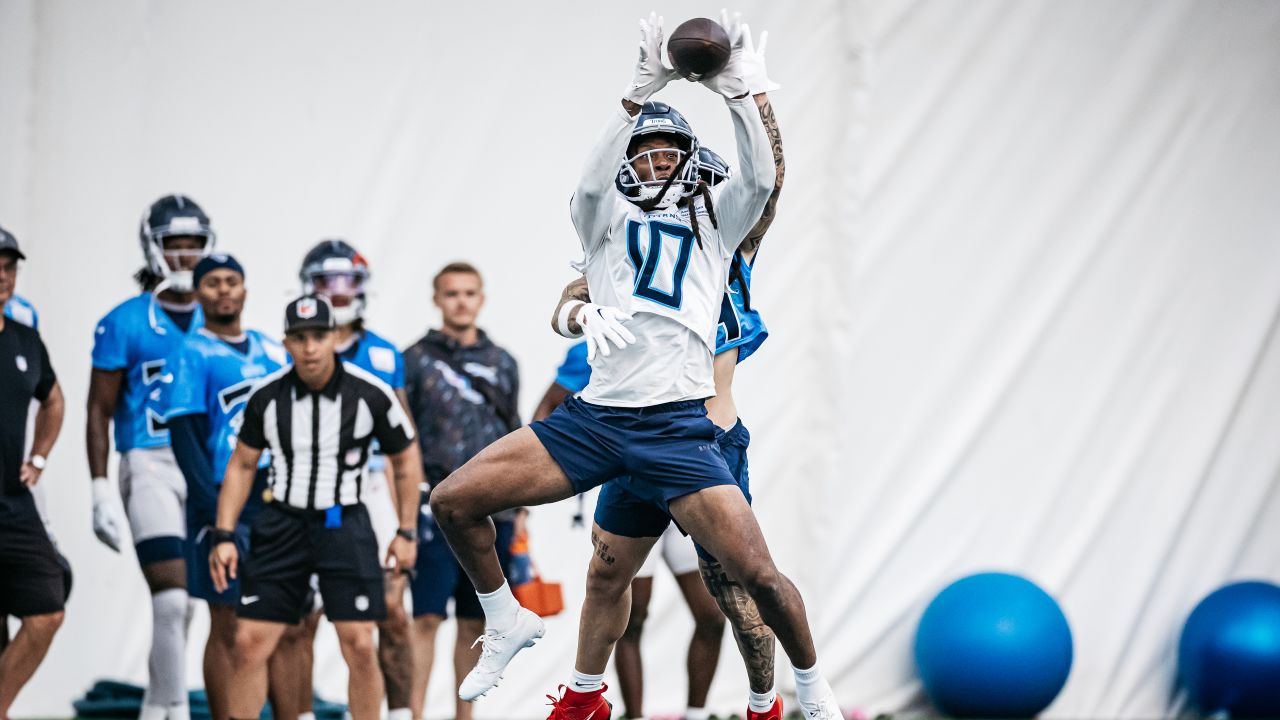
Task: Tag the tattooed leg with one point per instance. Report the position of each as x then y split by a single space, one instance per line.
754 638
607 606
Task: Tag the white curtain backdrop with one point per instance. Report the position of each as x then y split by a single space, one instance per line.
1024 286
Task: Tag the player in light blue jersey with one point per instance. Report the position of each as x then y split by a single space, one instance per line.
336 270
20 309
212 373
130 347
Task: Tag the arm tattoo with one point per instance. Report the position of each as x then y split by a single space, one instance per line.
602 549
756 235
755 639
575 291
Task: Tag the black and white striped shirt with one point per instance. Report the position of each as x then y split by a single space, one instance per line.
319 439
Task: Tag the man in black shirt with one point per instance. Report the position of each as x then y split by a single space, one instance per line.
318 418
462 392
32 587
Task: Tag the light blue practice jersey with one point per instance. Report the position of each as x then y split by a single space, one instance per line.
21 310
138 337
211 377
739 327
375 354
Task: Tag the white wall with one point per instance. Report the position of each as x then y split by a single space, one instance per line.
1023 289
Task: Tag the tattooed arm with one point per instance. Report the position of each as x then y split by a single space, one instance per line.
755 235
575 293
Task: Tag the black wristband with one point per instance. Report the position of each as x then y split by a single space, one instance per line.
219 536
407 533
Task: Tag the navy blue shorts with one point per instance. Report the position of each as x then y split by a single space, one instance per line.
622 512
200 581
438 576
200 517
664 451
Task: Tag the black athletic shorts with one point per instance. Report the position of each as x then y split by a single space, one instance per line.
32 578
287 545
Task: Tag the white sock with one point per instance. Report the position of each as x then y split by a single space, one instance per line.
697 714
307 715
151 711
398 714
500 608
166 664
811 686
584 683
762 702
180 711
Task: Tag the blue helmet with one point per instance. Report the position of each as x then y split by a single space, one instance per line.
711 167
660 119
174 216
336 270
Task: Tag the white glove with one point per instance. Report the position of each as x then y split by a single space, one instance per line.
730 82
651 73
753 70
108 516
602 324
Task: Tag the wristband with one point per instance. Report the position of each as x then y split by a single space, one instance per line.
567 310
37 462
218 536
407 533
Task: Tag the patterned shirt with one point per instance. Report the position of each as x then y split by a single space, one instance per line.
462 398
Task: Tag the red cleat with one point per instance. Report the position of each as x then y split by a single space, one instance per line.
773 713
574 705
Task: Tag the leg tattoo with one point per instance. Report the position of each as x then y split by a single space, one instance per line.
755 639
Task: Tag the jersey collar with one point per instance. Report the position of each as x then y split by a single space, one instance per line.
330 389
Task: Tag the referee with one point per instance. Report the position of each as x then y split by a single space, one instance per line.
318 419
32 585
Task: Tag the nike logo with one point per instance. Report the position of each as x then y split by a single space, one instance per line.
248 599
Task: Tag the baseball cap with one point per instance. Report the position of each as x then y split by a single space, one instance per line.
9 243
308 312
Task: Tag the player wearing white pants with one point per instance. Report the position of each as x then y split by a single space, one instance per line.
130 349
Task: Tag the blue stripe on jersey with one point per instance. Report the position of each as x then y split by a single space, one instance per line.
739 328
21 310
376 355
138 336
208 376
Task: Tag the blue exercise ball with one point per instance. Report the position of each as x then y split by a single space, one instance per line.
1229 652
993 645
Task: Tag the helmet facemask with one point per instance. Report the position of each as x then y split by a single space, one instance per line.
659 192
162 260
343 287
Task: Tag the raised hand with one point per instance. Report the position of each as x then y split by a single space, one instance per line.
651 73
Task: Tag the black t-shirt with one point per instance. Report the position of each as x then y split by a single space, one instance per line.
25 373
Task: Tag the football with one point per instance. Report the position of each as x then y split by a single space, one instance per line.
698 48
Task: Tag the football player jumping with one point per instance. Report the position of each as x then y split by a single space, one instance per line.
658 248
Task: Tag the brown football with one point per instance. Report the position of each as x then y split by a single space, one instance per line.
698 48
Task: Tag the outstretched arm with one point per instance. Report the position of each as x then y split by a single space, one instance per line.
745 196
592 204
756 234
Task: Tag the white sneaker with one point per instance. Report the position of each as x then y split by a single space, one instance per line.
824 709
497 650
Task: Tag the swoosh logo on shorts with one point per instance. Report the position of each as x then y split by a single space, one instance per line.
249 599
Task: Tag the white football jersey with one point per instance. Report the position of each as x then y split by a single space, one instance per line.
651 265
